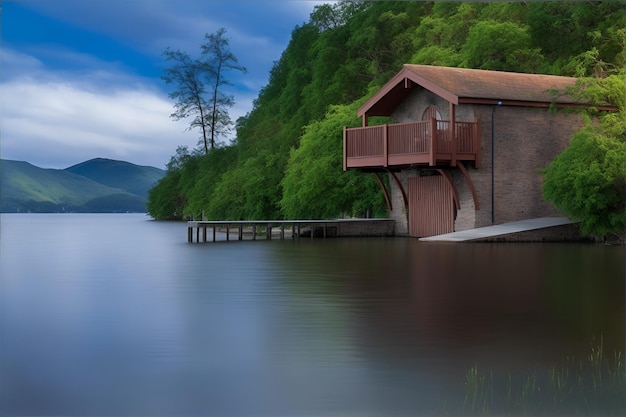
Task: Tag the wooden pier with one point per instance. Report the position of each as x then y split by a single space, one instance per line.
205 231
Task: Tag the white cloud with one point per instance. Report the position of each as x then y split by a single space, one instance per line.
61 106
14 63
55 122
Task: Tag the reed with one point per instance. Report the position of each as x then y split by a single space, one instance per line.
593 385
478 392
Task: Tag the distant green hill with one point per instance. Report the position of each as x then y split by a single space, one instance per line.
99 185
133 178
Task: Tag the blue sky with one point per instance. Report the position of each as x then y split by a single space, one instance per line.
81 79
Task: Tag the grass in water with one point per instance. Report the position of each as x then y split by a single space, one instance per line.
590 386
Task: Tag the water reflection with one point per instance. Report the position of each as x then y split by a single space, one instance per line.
138 322
440 309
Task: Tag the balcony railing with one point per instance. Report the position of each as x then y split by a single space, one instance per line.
427 142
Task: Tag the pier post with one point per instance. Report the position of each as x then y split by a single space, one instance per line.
189 234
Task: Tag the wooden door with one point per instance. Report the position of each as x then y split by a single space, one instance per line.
431 206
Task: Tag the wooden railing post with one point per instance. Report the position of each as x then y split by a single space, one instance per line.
345 156
453 141
452 133
477 143
386 144
433 142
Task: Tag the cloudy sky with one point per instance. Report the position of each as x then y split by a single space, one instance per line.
82 79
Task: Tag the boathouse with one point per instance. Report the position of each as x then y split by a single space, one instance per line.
465 147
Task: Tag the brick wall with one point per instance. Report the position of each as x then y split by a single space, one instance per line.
365 228
526 140
399 213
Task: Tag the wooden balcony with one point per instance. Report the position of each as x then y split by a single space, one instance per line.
419 143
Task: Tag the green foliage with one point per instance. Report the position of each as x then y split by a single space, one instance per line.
190 183
286 161
166 200
587 181
314 185
566 32
609 90
250 190
202 178
503 46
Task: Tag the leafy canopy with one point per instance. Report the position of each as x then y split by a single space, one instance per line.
314 186
587 181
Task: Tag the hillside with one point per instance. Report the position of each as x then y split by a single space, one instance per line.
133 178
27 188
286 161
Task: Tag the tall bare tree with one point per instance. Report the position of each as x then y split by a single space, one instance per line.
199 87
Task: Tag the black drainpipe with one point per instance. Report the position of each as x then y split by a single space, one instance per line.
493 110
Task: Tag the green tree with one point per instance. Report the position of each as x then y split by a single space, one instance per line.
315 186
166 200
169 198
199 87
566 30
201 183
503 46
587 181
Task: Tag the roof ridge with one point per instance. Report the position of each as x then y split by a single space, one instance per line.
477 70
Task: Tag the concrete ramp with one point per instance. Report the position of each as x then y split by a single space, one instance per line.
499 229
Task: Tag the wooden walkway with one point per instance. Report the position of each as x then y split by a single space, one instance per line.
205 231
499 229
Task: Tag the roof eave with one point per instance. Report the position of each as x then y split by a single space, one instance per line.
533 103
401 77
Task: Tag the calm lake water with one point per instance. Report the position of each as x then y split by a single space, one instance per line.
118 315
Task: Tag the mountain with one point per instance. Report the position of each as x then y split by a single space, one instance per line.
98 185
133 178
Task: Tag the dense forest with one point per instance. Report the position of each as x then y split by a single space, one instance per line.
286 159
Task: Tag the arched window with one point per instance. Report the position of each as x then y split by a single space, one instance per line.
432 112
